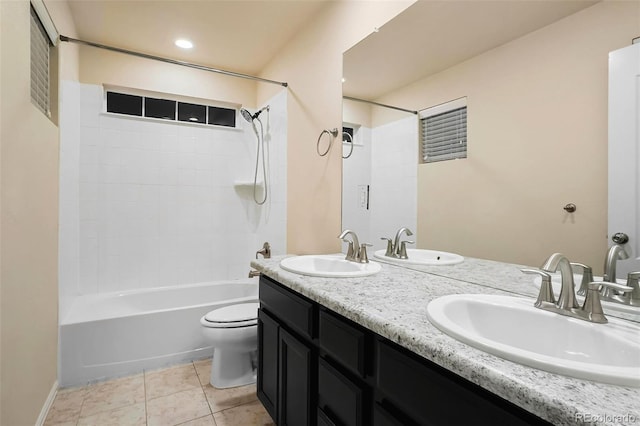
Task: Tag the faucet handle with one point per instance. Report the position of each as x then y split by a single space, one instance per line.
546 289
633 281
363 253
592 307
403 249
389 251
351 254
587 277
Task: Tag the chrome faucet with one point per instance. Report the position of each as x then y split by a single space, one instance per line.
397 248
356 252
567 299
591 310
616 251
396 243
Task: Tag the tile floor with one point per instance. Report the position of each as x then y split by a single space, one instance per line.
178 395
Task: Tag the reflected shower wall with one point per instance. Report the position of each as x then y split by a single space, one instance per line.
145 203
385 158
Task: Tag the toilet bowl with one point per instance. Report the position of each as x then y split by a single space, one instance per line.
233 333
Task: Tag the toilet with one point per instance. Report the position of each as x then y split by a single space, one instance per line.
233 333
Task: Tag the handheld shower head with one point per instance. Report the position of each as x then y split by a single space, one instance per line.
247 115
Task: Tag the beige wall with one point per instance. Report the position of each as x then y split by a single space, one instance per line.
537 140
99 66
29 224
356 113
312 65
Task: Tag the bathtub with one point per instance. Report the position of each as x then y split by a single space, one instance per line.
114 334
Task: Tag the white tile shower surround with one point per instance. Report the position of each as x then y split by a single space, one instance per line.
147 203
394 178
392 174
356 173
178 395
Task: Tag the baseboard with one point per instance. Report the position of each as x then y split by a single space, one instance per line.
47 404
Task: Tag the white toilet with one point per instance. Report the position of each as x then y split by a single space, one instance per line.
233 333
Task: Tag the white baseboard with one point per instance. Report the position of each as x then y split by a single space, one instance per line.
47 405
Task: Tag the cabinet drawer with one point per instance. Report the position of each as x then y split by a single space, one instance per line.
430 395
343 342
291 309
382 417
339 399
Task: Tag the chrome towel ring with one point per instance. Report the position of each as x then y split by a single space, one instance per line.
349 141
332 133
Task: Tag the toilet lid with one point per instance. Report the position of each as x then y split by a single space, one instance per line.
240 315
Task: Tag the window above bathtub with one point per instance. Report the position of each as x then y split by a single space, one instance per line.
166 107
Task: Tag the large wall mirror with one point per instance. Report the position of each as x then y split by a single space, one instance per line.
534 77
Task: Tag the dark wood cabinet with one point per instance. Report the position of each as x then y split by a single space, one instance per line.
268 362
295 391
317 368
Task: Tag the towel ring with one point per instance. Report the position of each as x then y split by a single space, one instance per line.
349 141
333 132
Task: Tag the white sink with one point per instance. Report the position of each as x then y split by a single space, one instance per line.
329 266
422 257
512 328
608 307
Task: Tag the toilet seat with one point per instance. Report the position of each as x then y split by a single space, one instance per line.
233 316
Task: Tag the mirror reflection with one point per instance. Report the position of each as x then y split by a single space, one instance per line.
536 96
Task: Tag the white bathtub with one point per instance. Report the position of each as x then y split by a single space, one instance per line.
115 334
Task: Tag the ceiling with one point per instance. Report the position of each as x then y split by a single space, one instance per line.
244 35
431 36
235 35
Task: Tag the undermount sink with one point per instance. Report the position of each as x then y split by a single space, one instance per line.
512 328
422 257
329 266
607 306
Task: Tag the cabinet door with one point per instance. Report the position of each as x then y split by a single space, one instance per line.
295 382
268 345
338 397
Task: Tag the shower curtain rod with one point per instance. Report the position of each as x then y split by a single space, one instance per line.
349 98
170 61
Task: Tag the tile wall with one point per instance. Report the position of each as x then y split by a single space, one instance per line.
387 160
147 203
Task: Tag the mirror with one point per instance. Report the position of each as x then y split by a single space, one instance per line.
537 121
537 128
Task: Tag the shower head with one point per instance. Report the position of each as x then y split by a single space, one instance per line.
247 115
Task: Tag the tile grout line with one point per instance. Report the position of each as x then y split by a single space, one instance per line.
203 392
144 387
84 398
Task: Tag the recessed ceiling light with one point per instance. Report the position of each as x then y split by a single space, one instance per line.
184 44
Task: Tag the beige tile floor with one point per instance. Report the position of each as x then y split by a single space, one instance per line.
178 395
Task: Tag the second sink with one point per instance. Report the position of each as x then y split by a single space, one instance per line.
329 266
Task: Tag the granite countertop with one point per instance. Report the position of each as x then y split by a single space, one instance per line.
393 303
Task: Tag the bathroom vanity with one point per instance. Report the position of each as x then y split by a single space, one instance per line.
361 351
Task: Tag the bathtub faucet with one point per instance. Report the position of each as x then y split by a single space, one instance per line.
265 251
254 273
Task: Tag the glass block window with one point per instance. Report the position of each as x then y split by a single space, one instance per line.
443 132
40 46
